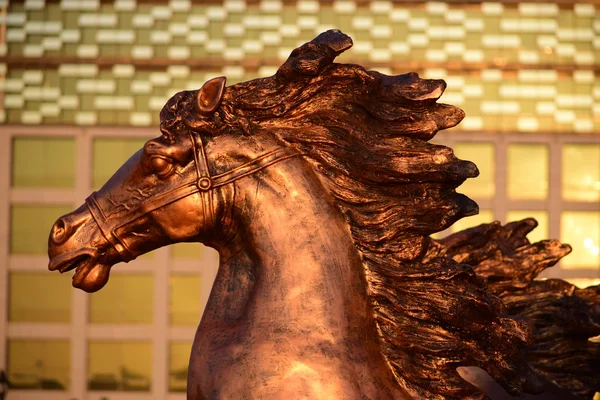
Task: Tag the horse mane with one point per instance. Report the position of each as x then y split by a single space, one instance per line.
566 318
366 134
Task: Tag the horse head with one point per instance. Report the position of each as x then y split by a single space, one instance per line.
163 194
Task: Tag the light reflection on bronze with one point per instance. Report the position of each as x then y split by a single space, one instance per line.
319 190
565 316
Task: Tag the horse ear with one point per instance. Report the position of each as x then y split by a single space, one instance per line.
209 96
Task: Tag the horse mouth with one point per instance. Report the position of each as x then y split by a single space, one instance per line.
89 275
77 263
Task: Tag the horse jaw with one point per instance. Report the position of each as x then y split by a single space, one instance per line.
90 274
91 277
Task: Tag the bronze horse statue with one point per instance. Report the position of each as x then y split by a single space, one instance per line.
320 191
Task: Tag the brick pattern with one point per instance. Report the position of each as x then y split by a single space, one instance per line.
528 33
526 101
83 94
486 38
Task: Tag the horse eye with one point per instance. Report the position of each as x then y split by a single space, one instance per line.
161 165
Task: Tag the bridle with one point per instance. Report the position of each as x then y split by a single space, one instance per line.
202 183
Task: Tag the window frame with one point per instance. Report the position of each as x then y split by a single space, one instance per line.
79 331
554 205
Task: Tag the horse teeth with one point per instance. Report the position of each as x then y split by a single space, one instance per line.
72 264
67 267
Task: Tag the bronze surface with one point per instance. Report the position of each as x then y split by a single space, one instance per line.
319 189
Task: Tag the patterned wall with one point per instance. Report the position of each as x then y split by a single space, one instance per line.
530 67
518 67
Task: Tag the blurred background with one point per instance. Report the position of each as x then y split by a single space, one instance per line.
81 85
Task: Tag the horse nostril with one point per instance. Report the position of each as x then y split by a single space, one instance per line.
59 231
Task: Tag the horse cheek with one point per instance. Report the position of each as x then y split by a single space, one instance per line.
182 220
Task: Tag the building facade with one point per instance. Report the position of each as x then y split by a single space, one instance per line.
81 85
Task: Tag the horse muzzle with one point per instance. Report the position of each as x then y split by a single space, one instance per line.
75 243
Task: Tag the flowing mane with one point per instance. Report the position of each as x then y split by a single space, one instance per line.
432 313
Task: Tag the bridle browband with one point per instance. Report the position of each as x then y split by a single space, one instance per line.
203 183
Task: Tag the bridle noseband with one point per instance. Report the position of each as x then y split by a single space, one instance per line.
202 183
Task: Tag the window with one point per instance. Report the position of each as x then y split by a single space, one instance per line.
484 217
539 233
109 340
551 178
185 299
527 167
39 297
62 339
126 299
39 364
179 358
43 162
483 155
581 229
581 172
30 227
109 154
187 250
120 366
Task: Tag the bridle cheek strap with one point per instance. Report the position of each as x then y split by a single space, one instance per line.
109 233
202 184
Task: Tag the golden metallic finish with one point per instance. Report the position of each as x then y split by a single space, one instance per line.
319 189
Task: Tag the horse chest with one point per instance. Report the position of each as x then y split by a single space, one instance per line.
235 364
256 376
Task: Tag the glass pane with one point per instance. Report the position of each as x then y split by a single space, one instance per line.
539 233
527 171
109 155
581 172
178 365
187 250
30 226
185 299
126 299
582 283
484 217
43 162
440 235
39 297
482 154
581 230
123 366
39 364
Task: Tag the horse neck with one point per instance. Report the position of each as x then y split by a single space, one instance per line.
293 265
